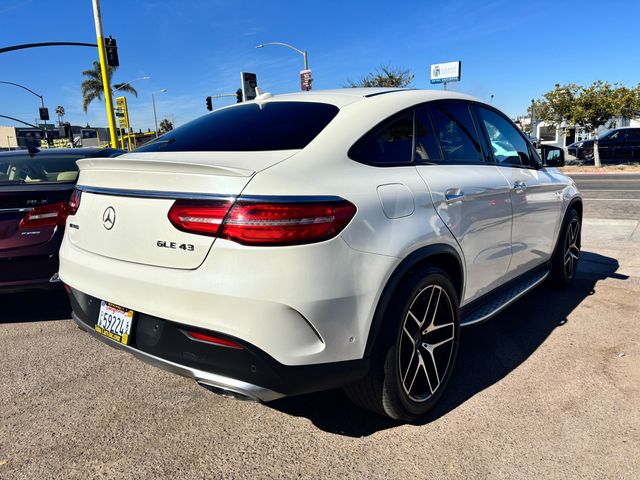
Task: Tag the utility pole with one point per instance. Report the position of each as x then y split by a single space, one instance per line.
533 133
105 76
153 101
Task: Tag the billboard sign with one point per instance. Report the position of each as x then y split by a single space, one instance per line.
446 72
249 84
122 113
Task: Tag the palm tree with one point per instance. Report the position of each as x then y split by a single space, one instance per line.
92 86
165 126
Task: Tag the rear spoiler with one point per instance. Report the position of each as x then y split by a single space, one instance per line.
165 166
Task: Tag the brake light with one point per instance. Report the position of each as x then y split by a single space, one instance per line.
74 201
263 222
46 216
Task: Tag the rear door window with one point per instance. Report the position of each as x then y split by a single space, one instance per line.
427 150
633 136
249 127
456 133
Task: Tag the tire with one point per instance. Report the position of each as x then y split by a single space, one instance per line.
567 255
411 365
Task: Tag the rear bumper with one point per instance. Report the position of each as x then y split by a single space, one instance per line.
248 373
304 305
28 272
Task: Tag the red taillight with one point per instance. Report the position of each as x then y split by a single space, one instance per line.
74 202
203 217
203 337
46 216
262 222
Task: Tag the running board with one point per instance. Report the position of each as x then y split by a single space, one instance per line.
496 304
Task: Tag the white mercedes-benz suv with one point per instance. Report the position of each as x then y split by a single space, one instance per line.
315 240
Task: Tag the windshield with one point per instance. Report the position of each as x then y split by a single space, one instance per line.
249 127
21 169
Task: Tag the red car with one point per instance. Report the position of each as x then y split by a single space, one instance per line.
35 188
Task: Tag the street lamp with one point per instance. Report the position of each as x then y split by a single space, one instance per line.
131 81
301 52
153 100
46 134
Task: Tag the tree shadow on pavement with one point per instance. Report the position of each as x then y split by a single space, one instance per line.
488 352
34 306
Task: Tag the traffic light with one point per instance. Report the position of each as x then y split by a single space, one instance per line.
111 49
209 104
239 95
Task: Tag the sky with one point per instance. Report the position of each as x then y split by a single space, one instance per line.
510 49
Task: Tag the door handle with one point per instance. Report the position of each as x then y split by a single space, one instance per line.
454 195
519 186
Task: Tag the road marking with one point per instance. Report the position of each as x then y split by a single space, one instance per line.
598 190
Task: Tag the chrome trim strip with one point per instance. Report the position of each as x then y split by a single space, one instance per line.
207 196
505 305
15 210
153 194
290 198
253 392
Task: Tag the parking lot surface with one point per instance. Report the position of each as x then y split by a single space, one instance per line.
549 388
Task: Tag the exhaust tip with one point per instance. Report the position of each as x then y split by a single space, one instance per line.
228 393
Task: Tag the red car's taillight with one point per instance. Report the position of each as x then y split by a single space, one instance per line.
74 202
261 222
46 216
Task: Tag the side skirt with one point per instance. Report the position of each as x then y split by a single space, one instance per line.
494 302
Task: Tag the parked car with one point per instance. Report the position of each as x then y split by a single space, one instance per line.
35 186
321 239
534 140
621 143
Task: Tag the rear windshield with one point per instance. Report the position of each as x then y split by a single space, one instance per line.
249 127
52 169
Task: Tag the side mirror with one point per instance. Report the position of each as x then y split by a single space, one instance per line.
552 156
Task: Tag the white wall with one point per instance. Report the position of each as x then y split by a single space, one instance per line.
8 137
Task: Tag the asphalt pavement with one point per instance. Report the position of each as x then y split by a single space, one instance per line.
549 388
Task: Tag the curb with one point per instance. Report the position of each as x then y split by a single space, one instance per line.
599 173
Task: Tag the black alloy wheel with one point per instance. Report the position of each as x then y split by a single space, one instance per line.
567 255
416 349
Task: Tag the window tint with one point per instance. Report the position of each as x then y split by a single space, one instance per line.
388 144
507 145
249 127
426 144
617 136
456 133
633 135
21 169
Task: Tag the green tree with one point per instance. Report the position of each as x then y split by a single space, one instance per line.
165 126
590 107
92 85
385 76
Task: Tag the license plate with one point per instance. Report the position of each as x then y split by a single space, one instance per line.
114 322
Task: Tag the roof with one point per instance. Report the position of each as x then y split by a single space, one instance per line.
345 96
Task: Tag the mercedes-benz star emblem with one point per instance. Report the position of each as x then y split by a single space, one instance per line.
109 218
